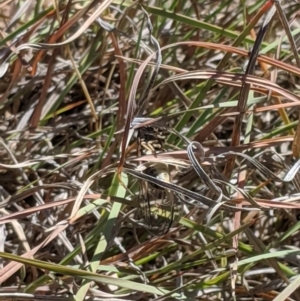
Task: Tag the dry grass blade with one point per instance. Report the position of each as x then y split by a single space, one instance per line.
199 170
224 48
286 178
287 30
133 108
234 79
197 199
245 88
143 100
12 267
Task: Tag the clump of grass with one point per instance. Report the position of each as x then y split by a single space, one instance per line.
76 75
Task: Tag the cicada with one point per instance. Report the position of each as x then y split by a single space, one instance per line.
156 203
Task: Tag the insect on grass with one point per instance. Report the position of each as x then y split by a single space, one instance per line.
156 203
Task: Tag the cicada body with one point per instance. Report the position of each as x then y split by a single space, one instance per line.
156 203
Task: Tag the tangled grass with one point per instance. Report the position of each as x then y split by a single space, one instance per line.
77 80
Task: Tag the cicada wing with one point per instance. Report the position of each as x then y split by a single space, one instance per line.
157 210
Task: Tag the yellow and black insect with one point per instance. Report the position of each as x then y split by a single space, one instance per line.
156 203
